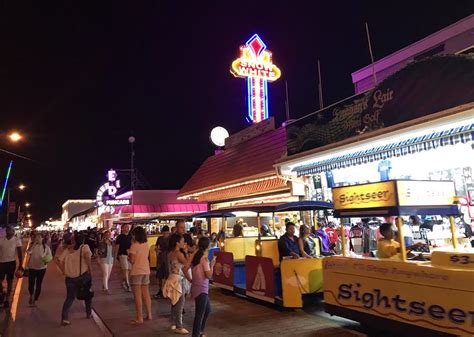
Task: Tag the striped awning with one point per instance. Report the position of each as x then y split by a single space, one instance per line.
462 134
246 190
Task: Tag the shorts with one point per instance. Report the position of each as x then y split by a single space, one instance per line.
139 280
124 263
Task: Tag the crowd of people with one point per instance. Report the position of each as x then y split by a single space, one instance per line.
183 268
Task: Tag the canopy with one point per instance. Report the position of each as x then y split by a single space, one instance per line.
305 205
214 214
397 211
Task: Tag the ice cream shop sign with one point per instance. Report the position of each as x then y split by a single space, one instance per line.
105 198
255 64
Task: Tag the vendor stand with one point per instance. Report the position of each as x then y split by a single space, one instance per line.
425 297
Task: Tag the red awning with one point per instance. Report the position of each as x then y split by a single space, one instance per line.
163 208
252 189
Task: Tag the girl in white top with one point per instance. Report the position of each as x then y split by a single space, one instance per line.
39 255
106 260
75 263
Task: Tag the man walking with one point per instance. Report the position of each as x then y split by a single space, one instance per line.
122 245
10 248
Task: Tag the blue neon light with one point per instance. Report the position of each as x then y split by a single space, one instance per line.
249 97
265 95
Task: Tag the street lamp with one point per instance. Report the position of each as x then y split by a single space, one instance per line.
15 137
28 216
21 187
27 205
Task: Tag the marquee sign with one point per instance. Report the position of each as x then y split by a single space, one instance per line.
105 198
255 64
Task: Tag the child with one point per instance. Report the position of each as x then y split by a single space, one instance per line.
202 272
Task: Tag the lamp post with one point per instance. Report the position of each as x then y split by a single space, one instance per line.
131 140
21 187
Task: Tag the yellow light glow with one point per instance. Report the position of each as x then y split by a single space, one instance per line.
78 201
15 137
22 187
27 204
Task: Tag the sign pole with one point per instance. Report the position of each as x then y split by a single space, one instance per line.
403 250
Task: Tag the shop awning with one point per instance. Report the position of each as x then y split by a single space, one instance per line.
214 214
163 208
249 161
251 189
462 134
305 205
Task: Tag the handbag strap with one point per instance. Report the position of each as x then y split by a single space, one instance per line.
80 261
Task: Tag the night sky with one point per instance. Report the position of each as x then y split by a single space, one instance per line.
78 78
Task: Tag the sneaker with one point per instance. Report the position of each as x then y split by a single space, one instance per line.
129 289
181 331
124 285
65 322
173 327
31 302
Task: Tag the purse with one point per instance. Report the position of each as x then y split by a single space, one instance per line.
84 291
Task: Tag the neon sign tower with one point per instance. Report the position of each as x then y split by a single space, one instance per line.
255 64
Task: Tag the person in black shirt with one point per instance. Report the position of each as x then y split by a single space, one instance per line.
122 245
162 267
188 238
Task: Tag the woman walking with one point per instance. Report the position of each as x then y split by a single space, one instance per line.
75 263
174 287
106 260
39 256
202 272
140 274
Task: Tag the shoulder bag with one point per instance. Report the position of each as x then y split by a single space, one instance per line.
83 285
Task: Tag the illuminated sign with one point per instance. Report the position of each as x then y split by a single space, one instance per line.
255 64
425 193
394 193
381 194
117 202
436 298
105 197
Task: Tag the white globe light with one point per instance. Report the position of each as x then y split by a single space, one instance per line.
131 139
218 135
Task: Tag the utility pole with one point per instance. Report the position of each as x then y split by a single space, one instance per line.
320 87
374 75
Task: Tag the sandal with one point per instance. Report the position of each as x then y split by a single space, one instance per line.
136 322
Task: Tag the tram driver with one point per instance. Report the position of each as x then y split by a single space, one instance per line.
387 247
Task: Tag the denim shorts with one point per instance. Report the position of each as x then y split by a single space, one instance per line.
139 280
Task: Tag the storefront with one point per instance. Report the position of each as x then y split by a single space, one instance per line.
416 124
147 207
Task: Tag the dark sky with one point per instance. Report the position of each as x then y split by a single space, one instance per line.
78 77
